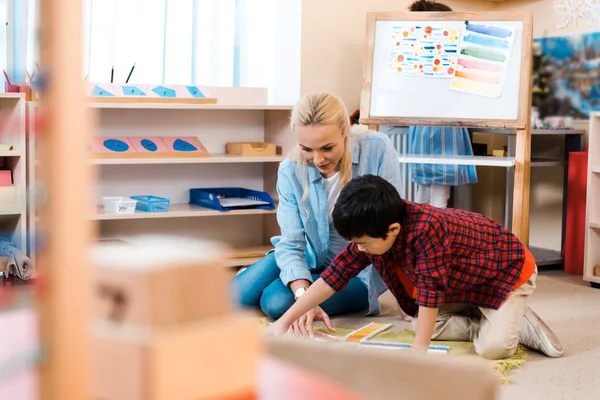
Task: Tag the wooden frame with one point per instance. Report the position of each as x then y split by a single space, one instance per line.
521 195
591 268
65 298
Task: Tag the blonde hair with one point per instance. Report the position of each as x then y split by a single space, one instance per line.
322 109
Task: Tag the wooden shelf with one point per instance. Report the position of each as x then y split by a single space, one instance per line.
182 106
488 161
247 255
10 211
11 153
176 211
596 170
594 225
546 162
213 159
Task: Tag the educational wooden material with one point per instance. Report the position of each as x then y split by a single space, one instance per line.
367 332
379 374
251 149
591 266
160 295
469 69
211 359
146 147
136 93
400 346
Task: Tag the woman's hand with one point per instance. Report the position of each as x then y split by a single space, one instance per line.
278 328
303 326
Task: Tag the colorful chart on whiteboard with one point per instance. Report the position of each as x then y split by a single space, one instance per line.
423 50
483 59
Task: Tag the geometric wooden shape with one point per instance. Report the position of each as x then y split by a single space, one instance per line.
190 146
148 144
111 145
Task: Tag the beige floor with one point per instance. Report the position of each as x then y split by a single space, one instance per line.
572 309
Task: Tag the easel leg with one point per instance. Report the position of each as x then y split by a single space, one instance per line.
521 193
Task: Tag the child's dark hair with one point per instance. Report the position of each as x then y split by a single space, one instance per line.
428 5
367 206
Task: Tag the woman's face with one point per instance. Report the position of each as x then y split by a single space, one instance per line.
322 146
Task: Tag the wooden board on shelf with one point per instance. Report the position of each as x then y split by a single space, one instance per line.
149 100
177 211
158 147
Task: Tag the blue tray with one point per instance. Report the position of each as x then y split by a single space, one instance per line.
209 198
151 203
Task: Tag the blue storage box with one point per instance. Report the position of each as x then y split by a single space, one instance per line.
151 203
212 198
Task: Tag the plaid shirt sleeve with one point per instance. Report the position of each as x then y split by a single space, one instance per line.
344 267
430 269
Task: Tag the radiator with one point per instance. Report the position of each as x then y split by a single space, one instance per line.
399 138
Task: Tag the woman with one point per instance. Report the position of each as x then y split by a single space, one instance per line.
434 181
328 155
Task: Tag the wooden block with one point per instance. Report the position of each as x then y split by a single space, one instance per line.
499 153
597 270
157 297
136 285
204 360
6 178
250 149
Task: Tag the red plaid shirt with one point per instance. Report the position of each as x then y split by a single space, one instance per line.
442 256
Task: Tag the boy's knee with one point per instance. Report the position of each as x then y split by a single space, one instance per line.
496 349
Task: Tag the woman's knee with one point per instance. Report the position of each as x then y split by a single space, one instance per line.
276 300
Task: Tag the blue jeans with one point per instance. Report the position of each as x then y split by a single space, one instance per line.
260 286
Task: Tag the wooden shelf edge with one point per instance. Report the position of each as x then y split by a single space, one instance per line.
213 159
591 278
489 161
177 211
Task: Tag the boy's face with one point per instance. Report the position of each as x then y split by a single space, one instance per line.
378 246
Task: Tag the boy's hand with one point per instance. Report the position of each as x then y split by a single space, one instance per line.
303 326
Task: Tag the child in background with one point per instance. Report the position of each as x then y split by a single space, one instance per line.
434 181
464 275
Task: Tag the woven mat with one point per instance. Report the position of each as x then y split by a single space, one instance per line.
501 367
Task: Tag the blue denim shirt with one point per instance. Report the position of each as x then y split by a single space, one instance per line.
302 246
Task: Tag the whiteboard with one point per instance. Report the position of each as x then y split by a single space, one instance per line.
397 95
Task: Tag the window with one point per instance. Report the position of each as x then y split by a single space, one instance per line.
204 42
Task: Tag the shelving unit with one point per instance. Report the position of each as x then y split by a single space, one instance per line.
591 273
214 125
13 201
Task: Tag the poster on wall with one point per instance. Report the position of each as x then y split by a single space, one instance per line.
423 50
566 76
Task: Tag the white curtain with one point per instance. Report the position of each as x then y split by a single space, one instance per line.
206 42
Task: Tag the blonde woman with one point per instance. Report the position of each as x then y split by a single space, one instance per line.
328 155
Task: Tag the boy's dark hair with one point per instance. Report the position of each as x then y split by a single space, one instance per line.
367 206
428 5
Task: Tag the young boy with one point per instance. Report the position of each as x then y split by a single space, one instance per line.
464 275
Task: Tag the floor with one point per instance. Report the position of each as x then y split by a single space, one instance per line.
572 309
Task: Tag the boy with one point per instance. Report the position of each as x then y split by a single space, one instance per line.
466 276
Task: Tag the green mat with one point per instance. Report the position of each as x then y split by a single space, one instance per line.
501 367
